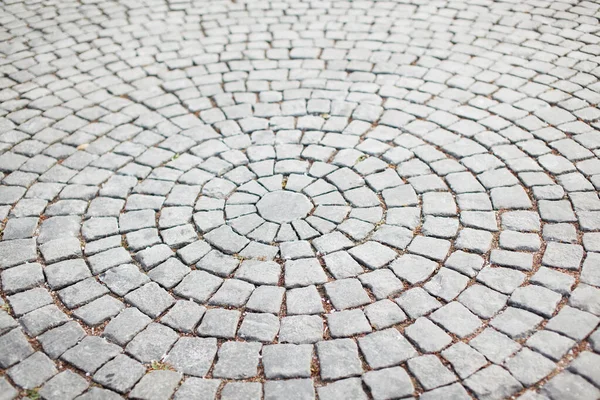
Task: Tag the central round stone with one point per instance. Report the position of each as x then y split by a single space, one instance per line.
283 206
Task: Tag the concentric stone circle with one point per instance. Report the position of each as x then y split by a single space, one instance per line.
345 200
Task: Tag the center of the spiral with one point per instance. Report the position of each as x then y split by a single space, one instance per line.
283 206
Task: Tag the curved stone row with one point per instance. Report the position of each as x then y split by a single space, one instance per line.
275 199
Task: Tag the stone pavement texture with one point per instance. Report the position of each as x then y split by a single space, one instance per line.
299 200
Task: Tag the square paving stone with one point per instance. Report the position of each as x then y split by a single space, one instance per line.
120 374
156 385
427 336
21 278
219 323
108 259
455 391
261 327
464 359
529 367
465 263
456 319
233 293
33 371
493 382
42 319
66 385
413 268
218 263
64 273
266 299
346 293
95 393
91 353
386 348
237 360
193 252
550 344
446 284
303 389
24 302
586 365
152 343
82 292
350 388
197 388
242 390
151 299
283 361
341 265
347 323
504 280
389 383
384 313
123 279
151 257
259 272
303 272
569 386
184 316
338 359
198 285
61 249
169 273
99 310
15 252
14 347
573 323
515 322
561 255
122 328
430 372
303 301
535 298
372 254
301 329
496 346
436 249
417 302
382 283
472 299
193 356
60 339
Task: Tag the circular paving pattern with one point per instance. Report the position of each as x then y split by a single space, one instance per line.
299 200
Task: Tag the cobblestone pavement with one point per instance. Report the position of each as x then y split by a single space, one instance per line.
299 200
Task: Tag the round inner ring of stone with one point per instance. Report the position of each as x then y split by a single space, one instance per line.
283 206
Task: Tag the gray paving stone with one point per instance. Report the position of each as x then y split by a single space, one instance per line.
219 323
237 360
122 328
183 316
573 323
151 299
529 367
347 323
152 343
192 356
120 374
427 336
350 388
301 329
202 389
260 327
492 382
389 383
569 386
91 353
156 385
65 385
338 359
494 345
15 348
464 359
58 340
430 372
287 361
385 348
